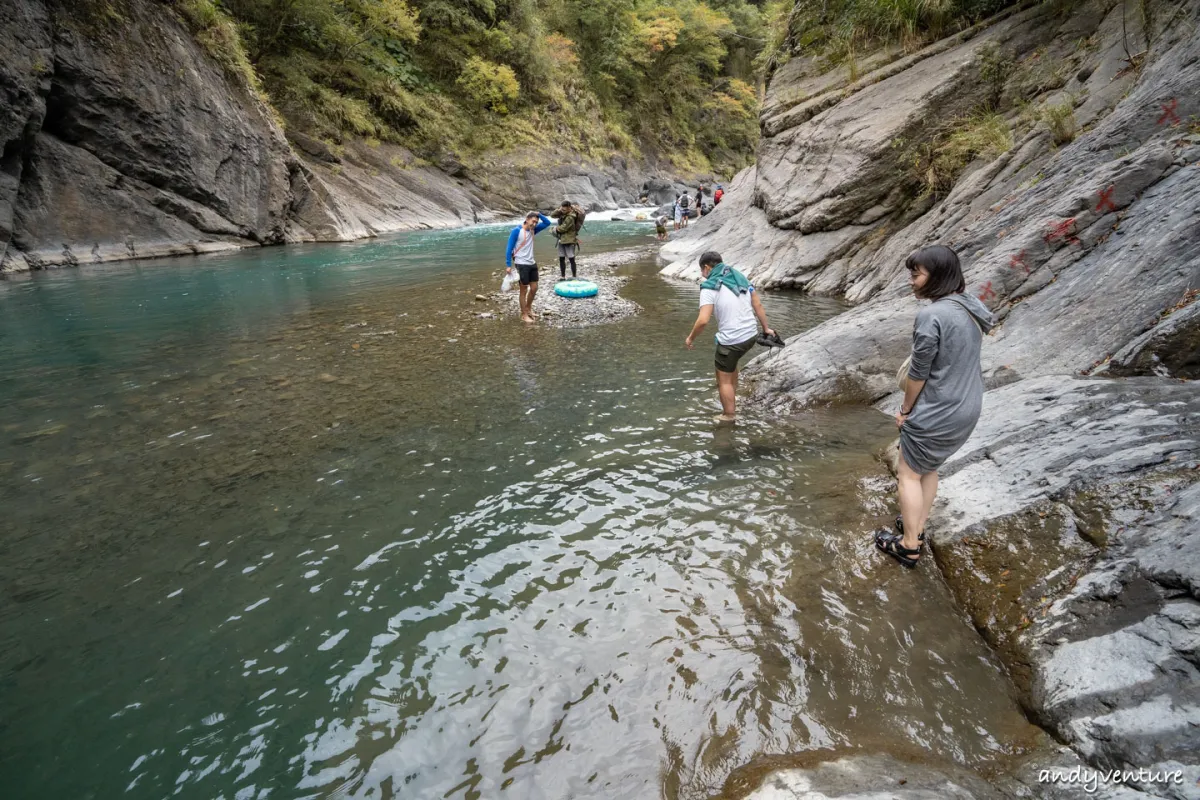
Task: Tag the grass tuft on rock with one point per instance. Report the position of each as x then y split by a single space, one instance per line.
1059 118
982 135
840 30
218 34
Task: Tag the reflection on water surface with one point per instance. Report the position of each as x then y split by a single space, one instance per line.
296 522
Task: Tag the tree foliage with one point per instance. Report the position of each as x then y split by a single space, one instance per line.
492 86
668 77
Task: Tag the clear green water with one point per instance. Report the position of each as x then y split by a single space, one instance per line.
296 523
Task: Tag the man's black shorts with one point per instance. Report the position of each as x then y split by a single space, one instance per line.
528 273
728 355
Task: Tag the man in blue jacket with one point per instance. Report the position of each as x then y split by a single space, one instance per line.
520 253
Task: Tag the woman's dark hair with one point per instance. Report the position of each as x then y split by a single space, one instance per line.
533 215
710 259
945 273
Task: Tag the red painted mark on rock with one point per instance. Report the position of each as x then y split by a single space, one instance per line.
1106 203
1061 230
988 292
1018 262
1169 112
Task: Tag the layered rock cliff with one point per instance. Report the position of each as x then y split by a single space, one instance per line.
1066 526
1098 235
125 140
121 138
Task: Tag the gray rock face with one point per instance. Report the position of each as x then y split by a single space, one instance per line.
1059 774
1037 437
374 189
124 159
819 171
26 43
135 145
1069 528
1171 349
523 181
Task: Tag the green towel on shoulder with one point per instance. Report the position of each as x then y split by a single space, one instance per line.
724 274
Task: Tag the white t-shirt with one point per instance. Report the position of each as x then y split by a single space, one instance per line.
523 252
734 313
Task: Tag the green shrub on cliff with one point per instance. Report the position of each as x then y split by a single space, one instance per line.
217 33
1060 120
492 86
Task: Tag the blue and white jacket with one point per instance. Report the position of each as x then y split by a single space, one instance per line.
520 242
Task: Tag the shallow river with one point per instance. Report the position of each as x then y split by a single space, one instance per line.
296 522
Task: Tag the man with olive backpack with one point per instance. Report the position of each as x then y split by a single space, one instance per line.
570 221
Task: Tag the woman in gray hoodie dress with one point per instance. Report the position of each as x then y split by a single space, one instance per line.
944 394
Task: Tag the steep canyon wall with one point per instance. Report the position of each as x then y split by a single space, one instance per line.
121 138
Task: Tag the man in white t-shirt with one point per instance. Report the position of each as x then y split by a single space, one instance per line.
726 293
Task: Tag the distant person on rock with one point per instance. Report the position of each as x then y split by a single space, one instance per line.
943 392
717 195
678 211
726 293
567 233
684 206
660 228
700 201
520 254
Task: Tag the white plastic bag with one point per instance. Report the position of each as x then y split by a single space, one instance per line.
510 277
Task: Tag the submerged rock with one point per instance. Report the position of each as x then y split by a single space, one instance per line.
867 777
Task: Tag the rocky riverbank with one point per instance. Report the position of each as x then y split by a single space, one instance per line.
139 146
1066 527
578 312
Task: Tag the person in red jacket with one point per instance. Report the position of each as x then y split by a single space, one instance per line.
717 195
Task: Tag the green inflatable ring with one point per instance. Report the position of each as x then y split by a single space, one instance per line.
576 288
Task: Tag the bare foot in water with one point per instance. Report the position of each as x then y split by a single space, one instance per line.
528 319
724 418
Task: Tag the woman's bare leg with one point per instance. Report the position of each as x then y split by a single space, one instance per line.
929 485
912 503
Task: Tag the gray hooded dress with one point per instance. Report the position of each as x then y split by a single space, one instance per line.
945 354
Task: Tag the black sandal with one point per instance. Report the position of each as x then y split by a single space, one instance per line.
888 542
899 526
